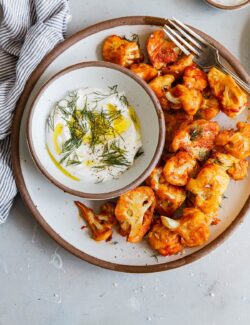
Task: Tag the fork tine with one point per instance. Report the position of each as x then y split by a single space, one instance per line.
190 31
190 47
187 36
181 47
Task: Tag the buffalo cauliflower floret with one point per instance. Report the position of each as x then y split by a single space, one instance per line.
179 168
236 142
164 241
207 188
231 97
168 197
145 71
173 120
100 224
236 168
121 51
182 97
209 108
160 85
179 66
134 211
195 78
197 138
161 51
193 227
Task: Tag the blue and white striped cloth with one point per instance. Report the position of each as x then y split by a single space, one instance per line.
29 30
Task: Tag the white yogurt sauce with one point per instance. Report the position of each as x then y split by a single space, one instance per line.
229 2
93 134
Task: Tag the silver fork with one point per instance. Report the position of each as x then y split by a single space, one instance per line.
205 54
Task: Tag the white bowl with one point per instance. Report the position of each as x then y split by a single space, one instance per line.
98 75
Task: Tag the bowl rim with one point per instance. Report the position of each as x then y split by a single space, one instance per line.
142 176
230 7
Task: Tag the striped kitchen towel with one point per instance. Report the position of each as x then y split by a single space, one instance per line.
28 31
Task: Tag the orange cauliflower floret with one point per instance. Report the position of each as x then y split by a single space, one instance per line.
160 85
207 188
121 51
178 67
173 120
192 227
168 197
134 211
209 108
236 142
231 97
99 224
161 51
164 241
179 168
145 71
197 138
195 78
182 97
236 168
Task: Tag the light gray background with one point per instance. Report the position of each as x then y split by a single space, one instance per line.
42 284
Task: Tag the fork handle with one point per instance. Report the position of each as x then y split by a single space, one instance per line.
240 82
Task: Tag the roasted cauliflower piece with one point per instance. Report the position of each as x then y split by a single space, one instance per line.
182 97
232 98
236 168
160 85
197 138
178 67
179 168
161 51
99 224
168 197
121 51
209 108
145 71
195 78
236 142
164 241
207 188
134 211
193 227
173 120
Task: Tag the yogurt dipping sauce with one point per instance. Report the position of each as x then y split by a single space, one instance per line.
93 134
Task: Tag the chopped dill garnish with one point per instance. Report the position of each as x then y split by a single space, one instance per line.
133 38
51 120
155 257
194 133
113 155
124 100
73 161
139 153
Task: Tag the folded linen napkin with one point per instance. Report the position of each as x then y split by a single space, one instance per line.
29 30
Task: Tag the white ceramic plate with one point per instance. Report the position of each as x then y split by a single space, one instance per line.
55 209
100 75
